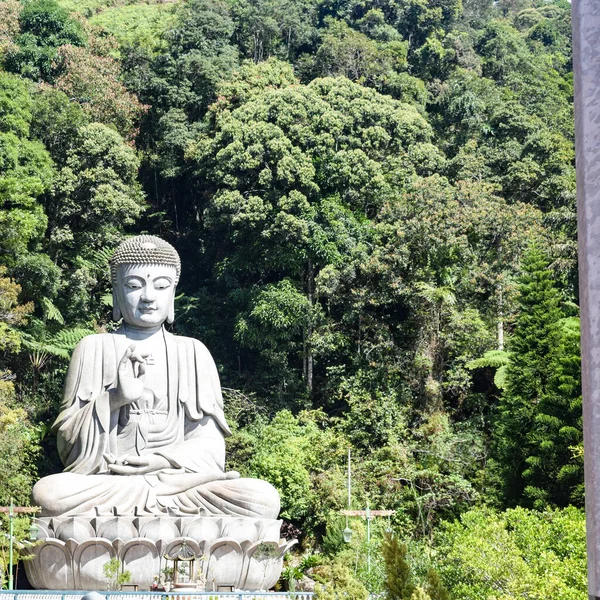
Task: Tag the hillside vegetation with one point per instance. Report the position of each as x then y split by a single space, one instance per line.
374 202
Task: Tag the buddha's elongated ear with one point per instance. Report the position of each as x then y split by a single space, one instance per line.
171 315
116 308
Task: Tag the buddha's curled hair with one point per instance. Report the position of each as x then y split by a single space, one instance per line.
144 250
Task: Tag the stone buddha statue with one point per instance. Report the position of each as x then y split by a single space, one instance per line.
141 429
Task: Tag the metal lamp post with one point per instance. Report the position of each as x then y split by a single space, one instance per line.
368 517
11 515
33 532
368 514
347 533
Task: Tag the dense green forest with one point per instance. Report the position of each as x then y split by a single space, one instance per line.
374 202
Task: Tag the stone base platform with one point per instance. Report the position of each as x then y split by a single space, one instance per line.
243 553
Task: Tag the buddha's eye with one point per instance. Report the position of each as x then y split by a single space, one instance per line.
162 283
134 284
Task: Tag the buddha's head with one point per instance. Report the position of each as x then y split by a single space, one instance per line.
144 272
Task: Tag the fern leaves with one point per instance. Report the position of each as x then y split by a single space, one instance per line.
59 345
495 359
51 312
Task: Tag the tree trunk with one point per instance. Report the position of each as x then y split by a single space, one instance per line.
309 328
304 355
500 320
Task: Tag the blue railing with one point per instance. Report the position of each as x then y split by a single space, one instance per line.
175 595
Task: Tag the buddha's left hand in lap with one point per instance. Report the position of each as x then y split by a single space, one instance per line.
133 464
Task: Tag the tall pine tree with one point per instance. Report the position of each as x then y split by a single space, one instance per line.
555 464
398 581
528 375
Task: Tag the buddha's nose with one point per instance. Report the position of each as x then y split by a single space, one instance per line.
148 295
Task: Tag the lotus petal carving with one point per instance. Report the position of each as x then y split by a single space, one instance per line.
245 553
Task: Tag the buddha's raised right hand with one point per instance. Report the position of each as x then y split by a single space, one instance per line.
130 385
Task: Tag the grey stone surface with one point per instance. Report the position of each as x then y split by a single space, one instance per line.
141 432
586 65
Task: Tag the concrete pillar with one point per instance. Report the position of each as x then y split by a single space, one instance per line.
586 66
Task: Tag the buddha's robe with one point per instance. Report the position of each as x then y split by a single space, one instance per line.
187 428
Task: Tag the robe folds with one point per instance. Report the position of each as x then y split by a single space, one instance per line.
187 429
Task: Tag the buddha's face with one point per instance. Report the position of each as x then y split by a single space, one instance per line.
145 293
